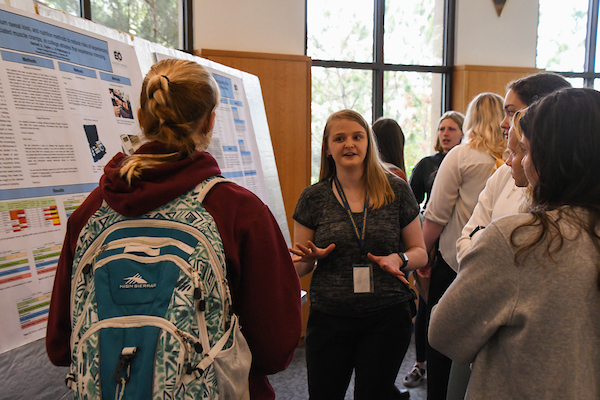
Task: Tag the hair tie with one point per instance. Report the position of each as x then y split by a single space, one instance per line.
164 76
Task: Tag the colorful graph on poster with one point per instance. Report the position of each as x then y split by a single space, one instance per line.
33 310
71 205
20 215
46 259
14 267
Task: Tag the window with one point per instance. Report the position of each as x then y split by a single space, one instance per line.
166 22
568 39
390 58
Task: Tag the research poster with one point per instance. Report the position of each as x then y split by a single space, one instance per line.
233 143
67 101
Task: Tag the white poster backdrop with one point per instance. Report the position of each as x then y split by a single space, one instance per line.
67 101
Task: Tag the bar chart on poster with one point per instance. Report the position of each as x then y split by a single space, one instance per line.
17 216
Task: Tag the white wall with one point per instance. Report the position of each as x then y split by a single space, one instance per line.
483 38
262 26
278 26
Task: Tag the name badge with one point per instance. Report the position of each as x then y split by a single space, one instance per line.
363 278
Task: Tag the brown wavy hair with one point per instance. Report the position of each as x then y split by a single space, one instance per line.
563 133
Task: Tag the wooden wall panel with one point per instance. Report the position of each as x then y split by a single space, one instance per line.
286 87
470 80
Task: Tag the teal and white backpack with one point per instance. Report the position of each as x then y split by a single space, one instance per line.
151 307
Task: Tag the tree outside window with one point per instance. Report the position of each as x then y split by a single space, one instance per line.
158 21
568 40
343 41
561 35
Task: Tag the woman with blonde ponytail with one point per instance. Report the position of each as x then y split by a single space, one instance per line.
173 114
177 113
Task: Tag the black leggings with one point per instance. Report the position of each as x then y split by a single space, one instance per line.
421 327
438 365
372 346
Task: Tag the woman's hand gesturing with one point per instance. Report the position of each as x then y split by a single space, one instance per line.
390 264
310 253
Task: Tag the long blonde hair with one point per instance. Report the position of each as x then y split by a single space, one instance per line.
176 103
374 178
482 124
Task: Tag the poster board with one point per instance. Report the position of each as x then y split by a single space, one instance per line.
66 105
68 88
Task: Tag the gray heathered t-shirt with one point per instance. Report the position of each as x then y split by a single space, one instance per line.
332 286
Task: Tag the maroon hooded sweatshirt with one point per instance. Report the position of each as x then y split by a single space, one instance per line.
264 284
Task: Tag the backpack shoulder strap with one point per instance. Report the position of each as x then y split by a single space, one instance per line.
204 187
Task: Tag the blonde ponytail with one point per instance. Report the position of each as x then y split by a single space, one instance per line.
176 103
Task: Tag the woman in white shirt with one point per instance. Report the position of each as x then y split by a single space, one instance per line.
462 175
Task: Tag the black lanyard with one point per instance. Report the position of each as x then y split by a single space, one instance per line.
360 236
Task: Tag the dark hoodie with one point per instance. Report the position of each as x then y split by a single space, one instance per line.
262 278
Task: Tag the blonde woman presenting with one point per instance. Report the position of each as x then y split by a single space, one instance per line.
358 231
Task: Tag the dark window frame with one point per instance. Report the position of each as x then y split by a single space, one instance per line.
379 67
589 65
85 7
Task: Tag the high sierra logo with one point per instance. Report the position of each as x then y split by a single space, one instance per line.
136 282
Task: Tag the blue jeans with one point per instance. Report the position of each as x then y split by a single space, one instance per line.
372 346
